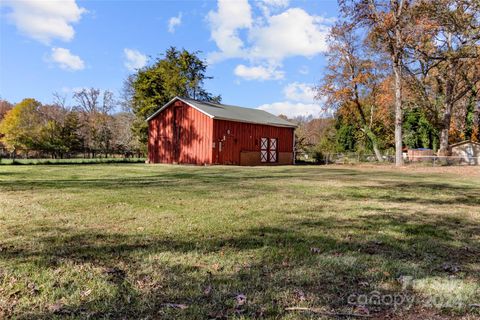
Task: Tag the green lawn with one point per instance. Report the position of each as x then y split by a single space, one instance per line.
172 242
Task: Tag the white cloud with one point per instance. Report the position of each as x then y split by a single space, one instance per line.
225 23
174 22
292 109
299 101
298 91
268 39
292 33
258 73
45 20
66 60
134 59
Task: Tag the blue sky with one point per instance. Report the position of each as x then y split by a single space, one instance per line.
262 53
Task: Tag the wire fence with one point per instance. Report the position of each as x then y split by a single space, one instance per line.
35 156
432 160
87 155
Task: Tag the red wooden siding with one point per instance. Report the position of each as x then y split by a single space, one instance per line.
237 137
180 134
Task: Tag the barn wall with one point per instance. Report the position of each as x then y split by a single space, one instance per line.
194 143
238 137
252 158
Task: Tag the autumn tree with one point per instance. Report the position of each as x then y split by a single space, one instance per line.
447 60
177 73
351 80
20 126
309 132
123 139
388 24
60 134
60 130
5 106
95 107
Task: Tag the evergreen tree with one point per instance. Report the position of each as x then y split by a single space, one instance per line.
178 73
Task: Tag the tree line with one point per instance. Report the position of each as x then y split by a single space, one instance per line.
89 126
97 123
402 73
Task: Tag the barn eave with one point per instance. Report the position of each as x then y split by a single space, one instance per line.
257 123
231 113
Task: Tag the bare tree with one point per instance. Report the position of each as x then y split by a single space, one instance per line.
60 100
96 108
87 100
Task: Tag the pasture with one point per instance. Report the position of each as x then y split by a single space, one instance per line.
140 241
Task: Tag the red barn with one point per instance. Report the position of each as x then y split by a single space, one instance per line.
198 132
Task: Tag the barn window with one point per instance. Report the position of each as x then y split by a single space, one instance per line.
268 149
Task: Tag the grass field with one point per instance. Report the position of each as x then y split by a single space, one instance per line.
169 242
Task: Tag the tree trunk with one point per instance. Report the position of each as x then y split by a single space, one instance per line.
476 122
397 70
444 132
373 138
378 155
366 128
448 102
447 115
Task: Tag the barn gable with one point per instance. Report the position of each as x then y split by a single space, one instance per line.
180 134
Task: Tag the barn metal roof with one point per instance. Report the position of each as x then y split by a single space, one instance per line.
233 113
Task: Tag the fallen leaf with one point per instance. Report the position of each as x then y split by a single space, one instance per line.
448 267
175 305
207 290
33 288
85 293
56 307
362 310
315 250
216 267
241 299
300 294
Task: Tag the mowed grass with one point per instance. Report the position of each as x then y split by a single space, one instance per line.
140 241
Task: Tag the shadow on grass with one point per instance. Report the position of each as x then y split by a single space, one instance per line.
285 271
297 261
201 178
